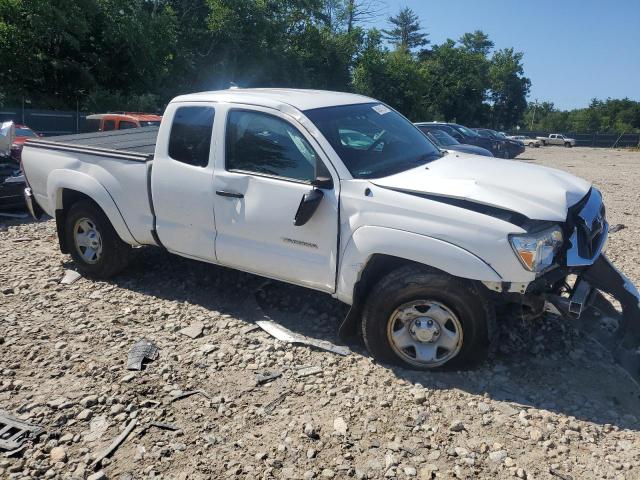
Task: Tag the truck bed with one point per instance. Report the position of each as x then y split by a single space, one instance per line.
136 144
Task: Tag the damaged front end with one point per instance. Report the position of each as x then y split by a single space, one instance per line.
587 230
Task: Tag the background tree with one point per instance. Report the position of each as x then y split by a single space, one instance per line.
508 88
405 32
477 42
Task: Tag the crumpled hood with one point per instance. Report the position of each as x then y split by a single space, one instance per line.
539 193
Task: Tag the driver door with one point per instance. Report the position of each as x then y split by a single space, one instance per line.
266 165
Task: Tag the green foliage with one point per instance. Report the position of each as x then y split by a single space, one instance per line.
608 116
405 32
138 54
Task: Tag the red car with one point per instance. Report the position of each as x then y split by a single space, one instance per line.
22 133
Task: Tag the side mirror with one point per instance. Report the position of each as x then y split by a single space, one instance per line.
308 206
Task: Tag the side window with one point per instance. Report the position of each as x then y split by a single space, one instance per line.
108 125
261 143
190 138
125 125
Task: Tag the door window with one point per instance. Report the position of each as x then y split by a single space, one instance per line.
190 138
260 143
108 125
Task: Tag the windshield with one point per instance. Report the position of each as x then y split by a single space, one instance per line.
442 138
372 140
465 131
25 132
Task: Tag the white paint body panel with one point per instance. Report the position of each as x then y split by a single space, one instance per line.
356 220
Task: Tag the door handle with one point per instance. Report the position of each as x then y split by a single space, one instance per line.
224 193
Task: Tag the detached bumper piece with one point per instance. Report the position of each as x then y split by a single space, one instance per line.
620 333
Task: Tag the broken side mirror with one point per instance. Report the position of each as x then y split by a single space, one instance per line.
308 206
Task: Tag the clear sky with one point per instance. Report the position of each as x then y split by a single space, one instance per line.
574 50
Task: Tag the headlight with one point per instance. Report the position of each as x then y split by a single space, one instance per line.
537 251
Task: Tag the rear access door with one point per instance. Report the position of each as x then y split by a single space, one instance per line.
182 180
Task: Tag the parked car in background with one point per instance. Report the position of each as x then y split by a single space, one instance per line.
506 147
104 122
445 141
22 133
465 135
528 141
558 139
7 135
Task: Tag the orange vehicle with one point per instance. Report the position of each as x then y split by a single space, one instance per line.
103 122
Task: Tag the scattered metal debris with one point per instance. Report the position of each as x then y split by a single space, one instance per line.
306 371
271 406
160 425
115 444
266 377
70 276
14 432
617 228
560 475
144 349
189 393
193 331
286 335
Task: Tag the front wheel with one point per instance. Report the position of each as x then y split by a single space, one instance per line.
94 245
531 145
567 144
424 320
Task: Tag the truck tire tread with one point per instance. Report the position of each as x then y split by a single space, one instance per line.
478 317
116 253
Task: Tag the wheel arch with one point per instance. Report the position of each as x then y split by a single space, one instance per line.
65 188
366 260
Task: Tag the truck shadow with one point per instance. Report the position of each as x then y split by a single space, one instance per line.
545 366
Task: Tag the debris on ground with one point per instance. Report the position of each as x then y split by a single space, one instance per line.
306 371
271 406
617 227
286 335
14 432
160 425
115 444
190 393
266 377
193 331
70 276
141 351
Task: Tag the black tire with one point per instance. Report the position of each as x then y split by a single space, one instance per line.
505 154
567 144
531 145
475 313
115 253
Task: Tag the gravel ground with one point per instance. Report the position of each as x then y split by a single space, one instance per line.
550 404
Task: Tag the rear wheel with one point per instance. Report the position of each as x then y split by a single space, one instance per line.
94 245
424 320
531 145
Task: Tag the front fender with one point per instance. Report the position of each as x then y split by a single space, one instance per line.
61 179
370 240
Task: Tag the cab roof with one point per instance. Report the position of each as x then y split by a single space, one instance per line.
277 98
145 117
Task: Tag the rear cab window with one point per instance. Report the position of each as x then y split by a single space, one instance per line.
108 125
190 137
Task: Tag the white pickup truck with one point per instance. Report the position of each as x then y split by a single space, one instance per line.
340 193
557 139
